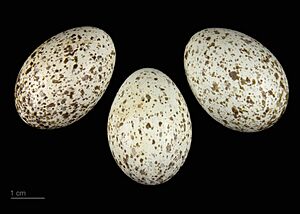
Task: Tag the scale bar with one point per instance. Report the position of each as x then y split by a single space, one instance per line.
22 198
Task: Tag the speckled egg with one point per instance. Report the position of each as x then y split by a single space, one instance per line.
64 78
237 80
149 127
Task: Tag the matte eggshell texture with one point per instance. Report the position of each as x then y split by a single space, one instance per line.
149 127
64 78
236 79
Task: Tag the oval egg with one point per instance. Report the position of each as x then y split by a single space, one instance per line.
237 80
149 127
64 78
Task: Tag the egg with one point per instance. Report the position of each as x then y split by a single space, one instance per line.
236 80
149 127
64 78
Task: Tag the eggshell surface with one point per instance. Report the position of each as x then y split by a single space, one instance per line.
64 78
237 80
149 127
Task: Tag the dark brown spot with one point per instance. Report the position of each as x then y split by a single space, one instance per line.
28 70
237 67
36 78
225 121
271 93
65 115
266 111
171 165
92 70
148 125
266 59
235 111
249 100
160 123
56 81
125 160
51 105
233 75
148 97
211 45
33 54
272 120
75 105
71 94
69 50
245 50
215 87
143 172
282 85
168 147
82 92
186 55
264 95
86 77
246 41
243 82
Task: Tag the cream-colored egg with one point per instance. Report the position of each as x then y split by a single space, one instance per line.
149 127
237 80
64 78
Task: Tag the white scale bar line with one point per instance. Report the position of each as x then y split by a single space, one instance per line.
19 198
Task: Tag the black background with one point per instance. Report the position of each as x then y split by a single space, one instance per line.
75 162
